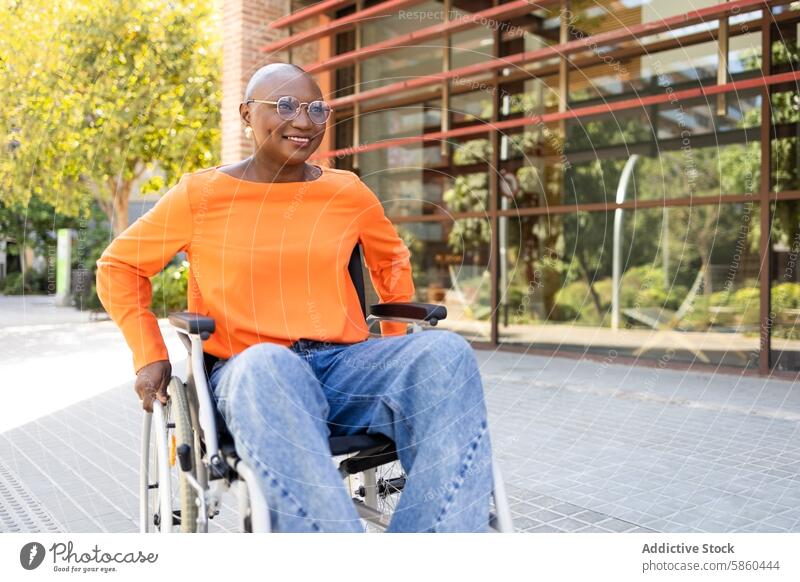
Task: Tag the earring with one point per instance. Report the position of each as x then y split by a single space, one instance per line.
248 132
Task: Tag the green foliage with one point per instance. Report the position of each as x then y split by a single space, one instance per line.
477 290
642 286
102 92
473 152
170 289
785 296
90 239
786 310
32 225
33 283
785 52
469 193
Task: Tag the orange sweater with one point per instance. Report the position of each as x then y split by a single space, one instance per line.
267 261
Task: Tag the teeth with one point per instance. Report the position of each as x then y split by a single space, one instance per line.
297 139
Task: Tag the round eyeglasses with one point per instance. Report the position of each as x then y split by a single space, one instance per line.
288 108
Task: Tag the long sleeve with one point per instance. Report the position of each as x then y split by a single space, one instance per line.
387 258
139 252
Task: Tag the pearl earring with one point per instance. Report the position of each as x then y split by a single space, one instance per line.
248 132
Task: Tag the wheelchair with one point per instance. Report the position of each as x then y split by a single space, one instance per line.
189 461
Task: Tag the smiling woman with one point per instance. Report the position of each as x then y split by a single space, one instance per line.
269 241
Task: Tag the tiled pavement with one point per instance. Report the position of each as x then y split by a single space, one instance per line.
593 447
584 447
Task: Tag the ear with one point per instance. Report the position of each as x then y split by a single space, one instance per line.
244 112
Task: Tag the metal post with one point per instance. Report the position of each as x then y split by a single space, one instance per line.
63 267
665 246
503 264
765 187
617 266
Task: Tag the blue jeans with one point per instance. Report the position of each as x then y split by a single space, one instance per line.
422 390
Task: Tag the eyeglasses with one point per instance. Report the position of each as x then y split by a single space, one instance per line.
288 108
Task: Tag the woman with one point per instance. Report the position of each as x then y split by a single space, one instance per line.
268 240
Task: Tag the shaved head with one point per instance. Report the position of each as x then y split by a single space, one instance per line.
273 75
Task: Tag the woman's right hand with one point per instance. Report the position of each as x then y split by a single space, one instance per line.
151 383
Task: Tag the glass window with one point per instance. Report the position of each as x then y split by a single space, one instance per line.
409 62
473 106
450 261
785 286
688 283
785 150
683 67
471 46
596 16
397 174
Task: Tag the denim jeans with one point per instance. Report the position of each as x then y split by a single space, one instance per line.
422 390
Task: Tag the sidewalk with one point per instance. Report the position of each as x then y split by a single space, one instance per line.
19 310
584 446
588 446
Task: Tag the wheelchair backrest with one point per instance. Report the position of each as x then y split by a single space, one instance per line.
357 276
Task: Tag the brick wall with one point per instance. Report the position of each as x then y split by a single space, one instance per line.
246 28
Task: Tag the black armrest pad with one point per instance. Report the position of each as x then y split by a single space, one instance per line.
420 311
192 322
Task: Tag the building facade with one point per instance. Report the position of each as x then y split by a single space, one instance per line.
612 179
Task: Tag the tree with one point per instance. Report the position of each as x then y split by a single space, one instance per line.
104 92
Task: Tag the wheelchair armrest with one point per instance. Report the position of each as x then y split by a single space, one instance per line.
192 323
429 312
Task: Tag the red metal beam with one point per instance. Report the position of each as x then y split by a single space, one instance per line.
495 13
576 113
306 13
338 25
614 36
607 206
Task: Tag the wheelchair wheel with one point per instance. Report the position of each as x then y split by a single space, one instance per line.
167 497
380 489
390 480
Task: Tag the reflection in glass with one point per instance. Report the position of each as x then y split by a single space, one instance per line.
408 63
680 68
450 262
784 316
688 292
397 174
598 16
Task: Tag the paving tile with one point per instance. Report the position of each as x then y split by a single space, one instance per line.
567 524
588 516
545 515
526 523
545 529
615 525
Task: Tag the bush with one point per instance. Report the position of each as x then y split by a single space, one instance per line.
170 289
642 286
35 283
88 245
574 302
786 296
720 298
747 300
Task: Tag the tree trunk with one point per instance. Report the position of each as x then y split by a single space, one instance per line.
118 206
121 209
703 246
592 291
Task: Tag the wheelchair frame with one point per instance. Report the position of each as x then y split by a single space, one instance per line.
211 468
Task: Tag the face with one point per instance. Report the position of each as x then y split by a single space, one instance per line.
271 131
